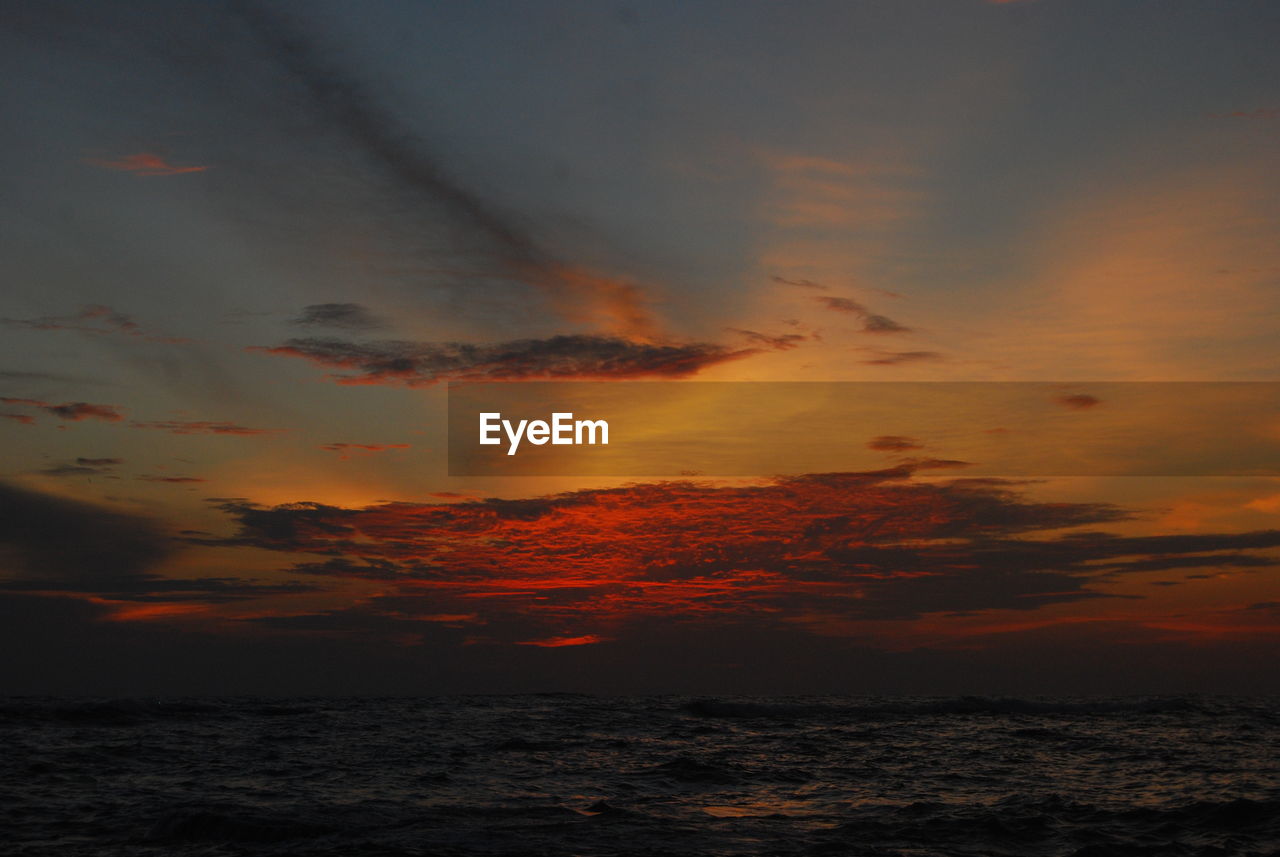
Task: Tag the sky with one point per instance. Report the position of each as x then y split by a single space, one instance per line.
246 247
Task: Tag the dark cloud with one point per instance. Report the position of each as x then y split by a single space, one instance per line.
389 146
893 443
587 357
805 284
896 358
871 322
356 110
203 427
341 316
882 324
842 305
84 467
53 544
1078 401
72 411
72 470
173 480
778 342
54 538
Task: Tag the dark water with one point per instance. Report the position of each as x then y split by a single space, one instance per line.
574 775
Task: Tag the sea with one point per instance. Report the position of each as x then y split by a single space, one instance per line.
564 774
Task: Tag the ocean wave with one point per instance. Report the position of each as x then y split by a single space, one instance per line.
719 708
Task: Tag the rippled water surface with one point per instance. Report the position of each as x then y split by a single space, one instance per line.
578 775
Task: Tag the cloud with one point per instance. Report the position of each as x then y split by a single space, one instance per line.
53 538
56 545
203 427
560 642
882 324
342 316
71 411
84 467
97 319
778 342
392 148
1078 401
841 305
858 546
348 450
893 443
423 363
24 419
175 480
896 358
871 323
805 284
144 164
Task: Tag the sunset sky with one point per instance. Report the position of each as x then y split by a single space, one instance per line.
246 246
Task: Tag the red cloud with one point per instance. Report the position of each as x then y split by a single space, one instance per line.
144 164
559 642
72 411
828 549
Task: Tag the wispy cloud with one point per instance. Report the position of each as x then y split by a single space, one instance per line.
93 319
203 427
71 411
144 164
871 322
391 147
350 450
343 316
805 284
897 358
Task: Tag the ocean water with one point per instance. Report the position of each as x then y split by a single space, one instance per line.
583 775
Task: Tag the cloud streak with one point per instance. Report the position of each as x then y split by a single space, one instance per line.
71 411
342 316
203 427
388 145
144 164
97 319
416 364
871 322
